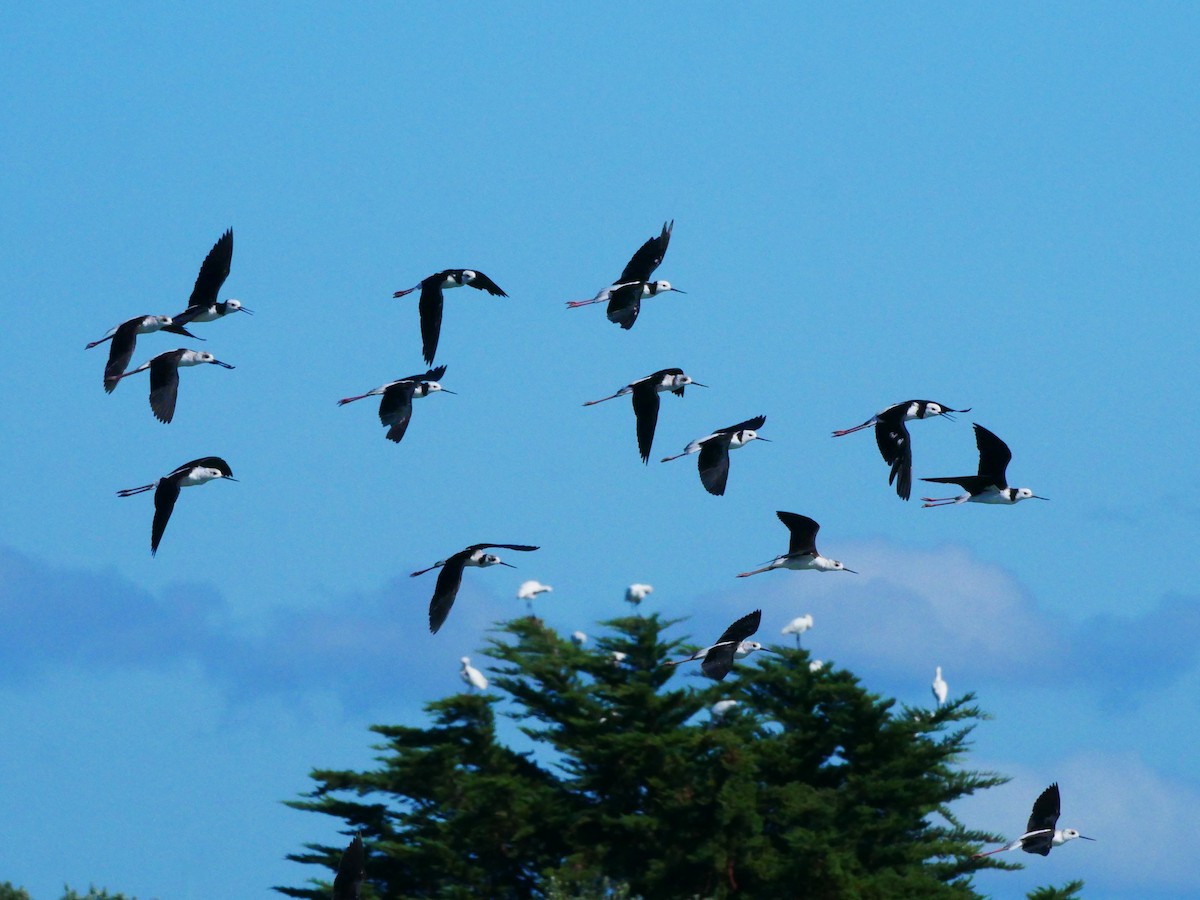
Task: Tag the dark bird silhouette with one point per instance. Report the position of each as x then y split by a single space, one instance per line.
166 490
430 304
450 578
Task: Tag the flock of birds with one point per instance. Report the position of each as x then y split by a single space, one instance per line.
623 298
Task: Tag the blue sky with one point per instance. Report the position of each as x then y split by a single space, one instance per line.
991 208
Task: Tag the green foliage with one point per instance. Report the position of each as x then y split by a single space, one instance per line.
1069 891
811 787
9 892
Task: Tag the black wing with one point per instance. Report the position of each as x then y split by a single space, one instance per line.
448 582
1045 810
624 304
521 547
742 628
994 457
645 407
434 374
213 273
714 464
483 283
718 661
165 496
750 424
648 257
351 871
124 341
164 386
803 532
896 450
395 409
431 316
972 484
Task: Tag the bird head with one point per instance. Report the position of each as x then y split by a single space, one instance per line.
431 386
491 559
236 306
1069 834
160 321
1026 494
681 381
836 566
469 275
466 660
745 436
664 286
203 356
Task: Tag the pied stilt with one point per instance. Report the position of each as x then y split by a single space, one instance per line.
714 451
124 340
166 490
624 296
645 402
203 305
395 409
164 377
450 578
1041 833
802 548
989 486
430 304
717 660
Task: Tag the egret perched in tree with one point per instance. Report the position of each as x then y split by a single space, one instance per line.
940 689
472 675
798 626
636 593
530 589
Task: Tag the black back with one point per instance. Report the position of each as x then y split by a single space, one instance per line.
803 531
648 257
896 449
1044 818
718 661
164 384
206 462
351 871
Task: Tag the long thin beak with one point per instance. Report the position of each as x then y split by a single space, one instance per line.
945 414
698 384
1086 838
230 478
217 362
503 563
768 440
851 571
678 291
444 391
1036 497
248 312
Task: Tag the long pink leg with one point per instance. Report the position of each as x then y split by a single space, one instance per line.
846 431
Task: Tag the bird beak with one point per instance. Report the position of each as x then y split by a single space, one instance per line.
217 362
697 384
768 440
230 478
945 414
678 291
444 391
1086 838
851 571
503 563
248 312
1036 497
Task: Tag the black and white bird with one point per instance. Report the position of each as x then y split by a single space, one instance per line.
124 341
395 409
645 402
430 304
717 660
989 486
164 377
624 296
1041 832
891 434
802 548
166 490
714 451
450 578
351 871
203 305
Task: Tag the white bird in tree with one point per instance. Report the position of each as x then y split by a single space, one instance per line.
721 708
941 690
578 638
636 593
816 666
798 626
530 589
1040 832
472 675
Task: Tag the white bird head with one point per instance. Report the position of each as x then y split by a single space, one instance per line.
236 306
745 436
836 566
158 321
431 386
1069 834
491 559
678 381
578 638
466 661
1026 494
198 357
661 286
745 648
469 275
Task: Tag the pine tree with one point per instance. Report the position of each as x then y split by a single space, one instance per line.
812 787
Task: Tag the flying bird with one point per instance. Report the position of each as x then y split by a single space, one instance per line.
430 304
940 689
717 660
450 578
164 377
714 451
989 486
802 549
1041 833
124 340
472 675
351 871
891 434
624 296
798 626
636 593
395 408
645 401
166 490
203 305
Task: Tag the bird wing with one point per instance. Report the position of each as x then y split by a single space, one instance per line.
645 408
1045 810
395 408
164 387
803 532
205 462
165 496
521 547
718 661
994 457
896 449
434 374
431 316
624 304
648 256
448 581
213 272
713 464
120 351
483 283
351 871
742 628
972 484
750 424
